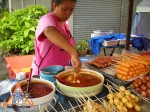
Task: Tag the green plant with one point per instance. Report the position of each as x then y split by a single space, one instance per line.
82 45
17 29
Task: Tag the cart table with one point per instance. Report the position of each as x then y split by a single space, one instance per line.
114 47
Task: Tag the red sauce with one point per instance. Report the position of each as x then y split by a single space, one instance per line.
37 90
85 80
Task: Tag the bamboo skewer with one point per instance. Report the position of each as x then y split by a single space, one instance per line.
93 95
62 107
79 100
53 107
39 108
81 96
71 106
102 102
83 100
42 109
78 105
86 95
112 83
114 87
109 89
96 98
46 109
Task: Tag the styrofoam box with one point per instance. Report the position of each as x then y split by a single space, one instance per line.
110 43
101 32
93 35
122 42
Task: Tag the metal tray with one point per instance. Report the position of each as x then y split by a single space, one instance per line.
145 107
139 95
112 78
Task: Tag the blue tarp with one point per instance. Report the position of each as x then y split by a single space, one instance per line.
140 43
96 42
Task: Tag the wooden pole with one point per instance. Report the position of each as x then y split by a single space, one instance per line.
128 35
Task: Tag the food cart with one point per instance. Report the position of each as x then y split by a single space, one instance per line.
65 103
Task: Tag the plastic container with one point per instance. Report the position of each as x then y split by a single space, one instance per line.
21 76
48 72
110 43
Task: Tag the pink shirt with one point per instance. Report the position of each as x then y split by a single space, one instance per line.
47 53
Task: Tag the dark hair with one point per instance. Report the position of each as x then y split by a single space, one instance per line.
57 2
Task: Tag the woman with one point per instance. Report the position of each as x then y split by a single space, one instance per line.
54 44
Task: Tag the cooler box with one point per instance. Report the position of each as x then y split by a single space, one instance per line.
101 32
110 43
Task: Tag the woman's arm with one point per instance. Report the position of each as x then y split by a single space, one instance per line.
58 39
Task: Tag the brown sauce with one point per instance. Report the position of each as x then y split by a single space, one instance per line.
37 90
85 80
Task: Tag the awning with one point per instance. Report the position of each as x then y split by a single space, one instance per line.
144 6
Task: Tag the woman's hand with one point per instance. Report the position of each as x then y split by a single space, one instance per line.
76 63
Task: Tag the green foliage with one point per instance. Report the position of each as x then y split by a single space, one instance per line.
17 29
82 45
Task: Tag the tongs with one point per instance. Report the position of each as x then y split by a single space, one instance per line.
27 93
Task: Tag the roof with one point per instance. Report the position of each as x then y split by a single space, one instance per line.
144 6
